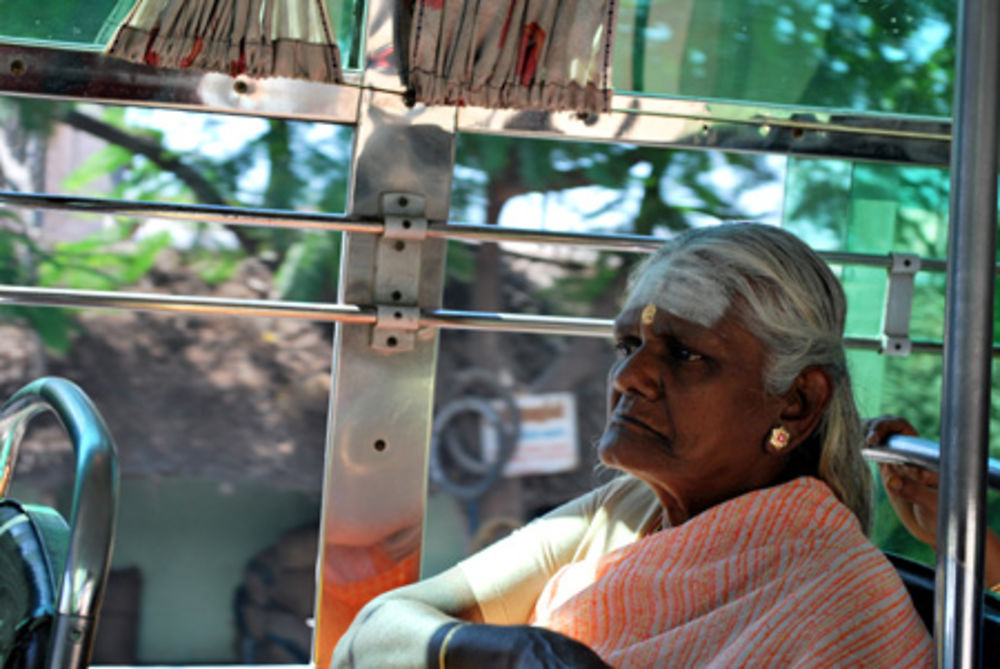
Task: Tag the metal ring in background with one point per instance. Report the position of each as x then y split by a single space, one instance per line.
482 383
488 472
475 391
466 460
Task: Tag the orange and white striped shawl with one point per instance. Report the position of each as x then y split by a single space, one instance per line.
778 577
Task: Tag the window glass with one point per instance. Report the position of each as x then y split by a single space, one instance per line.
220 421
61 20
561 186
833 205
889 57
872 208
93 23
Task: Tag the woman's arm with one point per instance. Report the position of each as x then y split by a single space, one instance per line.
912 492
410 626
396 628
406 627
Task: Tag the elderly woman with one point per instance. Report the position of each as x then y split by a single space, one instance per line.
735 537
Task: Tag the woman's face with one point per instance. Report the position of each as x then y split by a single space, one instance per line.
688 413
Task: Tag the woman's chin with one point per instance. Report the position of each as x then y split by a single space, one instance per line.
610 445
625 446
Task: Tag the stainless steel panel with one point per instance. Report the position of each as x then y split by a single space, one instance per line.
380 410
965 404
93 77
381 59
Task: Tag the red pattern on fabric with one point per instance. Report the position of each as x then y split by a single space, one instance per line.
238 66
151 57
506 23
781 576
199 44
532 41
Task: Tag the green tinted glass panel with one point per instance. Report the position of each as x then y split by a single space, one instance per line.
871 208
93 23
60 20
865 55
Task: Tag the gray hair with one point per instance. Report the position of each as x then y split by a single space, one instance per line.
789 299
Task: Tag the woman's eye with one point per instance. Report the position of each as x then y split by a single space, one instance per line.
627 345
684 354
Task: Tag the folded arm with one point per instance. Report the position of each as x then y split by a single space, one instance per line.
396 628
407 626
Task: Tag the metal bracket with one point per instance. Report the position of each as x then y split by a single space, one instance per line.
898 304
395 328
397 272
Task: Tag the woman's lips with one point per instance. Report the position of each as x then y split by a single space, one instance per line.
629 420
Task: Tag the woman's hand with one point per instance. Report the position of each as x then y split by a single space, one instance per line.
521 646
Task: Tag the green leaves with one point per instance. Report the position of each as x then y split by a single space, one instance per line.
106 260
309 271
101 163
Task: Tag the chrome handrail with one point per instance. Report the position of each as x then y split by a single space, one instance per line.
456 230
345 313
905 450
94 512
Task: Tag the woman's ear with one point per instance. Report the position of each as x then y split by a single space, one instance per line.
805 403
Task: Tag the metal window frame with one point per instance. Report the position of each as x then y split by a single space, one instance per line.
647 120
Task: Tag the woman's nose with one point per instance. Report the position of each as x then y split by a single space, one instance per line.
636 375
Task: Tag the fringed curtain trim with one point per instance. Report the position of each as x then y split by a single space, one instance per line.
258 38
523 54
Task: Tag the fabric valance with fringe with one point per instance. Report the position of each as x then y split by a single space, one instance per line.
258 38
523 54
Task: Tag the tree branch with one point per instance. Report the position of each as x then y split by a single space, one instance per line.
204 190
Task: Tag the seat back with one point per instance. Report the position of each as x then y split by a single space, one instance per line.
81 554
919 581
33 544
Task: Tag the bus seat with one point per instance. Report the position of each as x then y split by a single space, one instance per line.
919 581
33 545
53 573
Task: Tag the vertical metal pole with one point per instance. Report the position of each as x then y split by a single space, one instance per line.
968 337
380 407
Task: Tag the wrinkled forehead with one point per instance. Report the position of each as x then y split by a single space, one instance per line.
683 287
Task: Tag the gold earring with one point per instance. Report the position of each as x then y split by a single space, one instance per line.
778 438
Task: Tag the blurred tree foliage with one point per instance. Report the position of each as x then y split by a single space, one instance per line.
884 56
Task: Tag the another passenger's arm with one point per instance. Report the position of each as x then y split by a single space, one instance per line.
912 492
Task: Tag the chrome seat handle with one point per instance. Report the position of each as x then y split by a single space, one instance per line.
94 511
